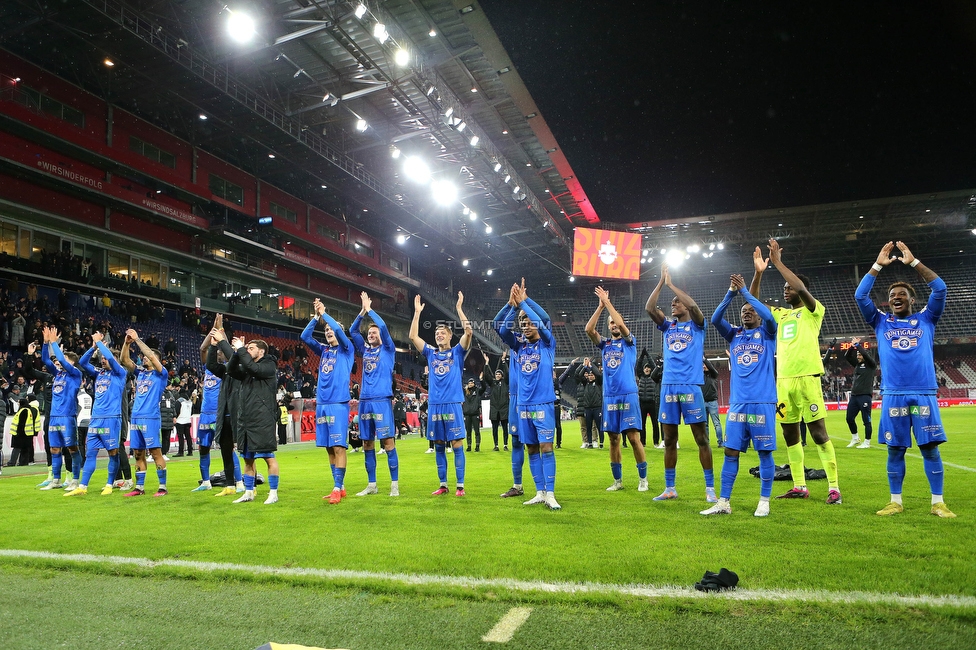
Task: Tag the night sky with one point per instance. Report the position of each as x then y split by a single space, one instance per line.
671 109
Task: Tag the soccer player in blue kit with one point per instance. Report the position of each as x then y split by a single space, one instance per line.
445 420
752 404
621 408
62 430
909 402
681 394
332 394
207 426
144 430
534 355
105 426
376 395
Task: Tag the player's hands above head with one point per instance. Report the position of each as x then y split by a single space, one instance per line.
666 274
319 307
758 262
417 305
855 340
484 355
603 295
884 257
131 335
31 348
775 252
906 255
460 300
367 303
97 337
737 282
237 343
217 335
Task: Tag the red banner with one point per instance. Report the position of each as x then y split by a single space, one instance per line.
606 254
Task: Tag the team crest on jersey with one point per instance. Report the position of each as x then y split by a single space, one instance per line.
888 436
210 381
913 322
814 408
664 416
328 363
514 428
904 343
441 365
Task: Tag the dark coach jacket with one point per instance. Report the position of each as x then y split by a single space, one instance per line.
256 429
227 398
497 395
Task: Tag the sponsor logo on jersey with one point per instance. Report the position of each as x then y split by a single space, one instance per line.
680 397
532 415
442 417
620 406
325 419
376 417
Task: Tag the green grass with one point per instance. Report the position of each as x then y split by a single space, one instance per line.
598 537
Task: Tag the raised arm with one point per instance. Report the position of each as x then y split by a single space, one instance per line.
710 369
307 338
543 326
591 324
503 324
85 362
937 298
651 306
759 267
30 372
384 330
465 323
105 352
341 337
687 301
414 334
614 314
718 316
125 359
55 349
252 367
776 257
146 352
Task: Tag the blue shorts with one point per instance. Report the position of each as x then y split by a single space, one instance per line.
376 419
206 428
536 423
621 413
332 425
756 422
901 415
445 422
62 432
104 433
681 401
144 434
250 455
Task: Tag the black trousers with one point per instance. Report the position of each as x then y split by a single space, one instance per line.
594 415
226 443
650 409
183 435
494 430
859 404
472 424
164 435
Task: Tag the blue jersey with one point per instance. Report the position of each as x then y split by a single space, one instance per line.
335 363
503 318
377 362
684 349
67 381
445 375
753 353
905 345
534 363
109 384
211 393
149 389
619 361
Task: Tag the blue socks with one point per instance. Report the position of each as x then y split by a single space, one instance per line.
89 466
56 462
460 461
205 466
896 468
932 461
370 465
161 475
549 471
248 482
518 460
617 470
273 481
140 480
113 467
440 454
535 466
709 479
393 462
339 476
642 470
669 477
76 464
730 469
766 472
237 468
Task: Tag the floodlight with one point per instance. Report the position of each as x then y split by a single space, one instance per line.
380 33
475 140
401 239
416 169
360 11
240 26
674 257
402 57
464 262
497 166
508 177
487 230
444 192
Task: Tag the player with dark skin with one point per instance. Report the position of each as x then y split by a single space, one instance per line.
683 309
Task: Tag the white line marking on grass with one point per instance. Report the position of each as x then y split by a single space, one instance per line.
947 464
644 591
506 628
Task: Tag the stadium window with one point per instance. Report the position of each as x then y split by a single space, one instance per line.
118 264
152 152
8 239
35 100
283 212
226 190
396 265
363 249
325 231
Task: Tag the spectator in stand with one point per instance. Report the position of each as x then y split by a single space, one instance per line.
170 348
17 325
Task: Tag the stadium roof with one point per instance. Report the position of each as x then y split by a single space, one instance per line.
311 72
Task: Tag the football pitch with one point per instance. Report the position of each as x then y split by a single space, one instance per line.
610 570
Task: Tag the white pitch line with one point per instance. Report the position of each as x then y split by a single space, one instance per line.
643 591
509 624
947 464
